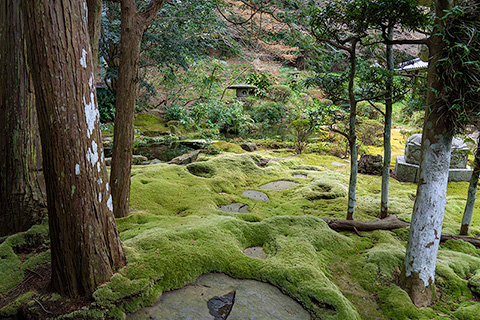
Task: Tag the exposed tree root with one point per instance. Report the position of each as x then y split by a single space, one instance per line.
390 223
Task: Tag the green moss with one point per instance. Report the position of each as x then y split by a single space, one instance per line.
396 304
461 246
150 124
11 309
14 256
469 311
228 147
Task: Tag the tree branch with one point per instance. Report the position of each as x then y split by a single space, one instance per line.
149 14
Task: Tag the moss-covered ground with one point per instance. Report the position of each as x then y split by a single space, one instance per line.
175 233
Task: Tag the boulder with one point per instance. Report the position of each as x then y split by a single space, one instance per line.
370 164
186 158
136 159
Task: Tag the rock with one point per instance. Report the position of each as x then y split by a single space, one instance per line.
299 175
155 161
234 207
338 164
256 195
279 185
249 146
370 164
186 158
255 252
220 306
137 159
253 300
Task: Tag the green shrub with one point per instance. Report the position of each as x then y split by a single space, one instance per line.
261 80
270 113
177 113
323 102
365 109
370 132
279 93
301 129
106 105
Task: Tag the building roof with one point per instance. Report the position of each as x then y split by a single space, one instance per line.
413 65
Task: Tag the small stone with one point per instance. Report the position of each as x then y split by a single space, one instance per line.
338 164
249 146
234 207
220 306
301 176
255 252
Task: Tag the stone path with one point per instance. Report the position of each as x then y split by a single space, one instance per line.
252 300
256 195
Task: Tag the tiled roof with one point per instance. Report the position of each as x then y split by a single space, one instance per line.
413 65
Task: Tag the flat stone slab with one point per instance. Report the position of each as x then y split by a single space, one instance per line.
301 176
279 185
234 207
252 300
338 164
256 195
255 252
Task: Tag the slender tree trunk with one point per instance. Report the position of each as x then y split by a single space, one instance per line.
85 244
94 25
22 187
418 274
127 82
133 26
387 132
352 136
472 193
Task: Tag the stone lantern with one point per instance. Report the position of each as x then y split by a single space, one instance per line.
407 166
243 90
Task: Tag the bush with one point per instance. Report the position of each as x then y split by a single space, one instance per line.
261 80
301 129
279 93
270 113
106 105
177 113
323 102
370 132
365 109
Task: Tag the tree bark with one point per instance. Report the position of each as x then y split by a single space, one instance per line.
352 136
133 25
390 223
85 244
94 25
472 193
418 274
22 187
387 131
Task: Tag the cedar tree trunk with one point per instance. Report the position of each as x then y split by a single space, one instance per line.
133 25
22 187
85 244
418 274
387 131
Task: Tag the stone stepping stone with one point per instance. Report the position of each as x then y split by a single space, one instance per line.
255 252
279 185
256 195
301 176
338 164
252 300
234 207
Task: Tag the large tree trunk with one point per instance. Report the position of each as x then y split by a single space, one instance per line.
352 136
22 187
418 274
85 244
133 26
387 131
472 193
